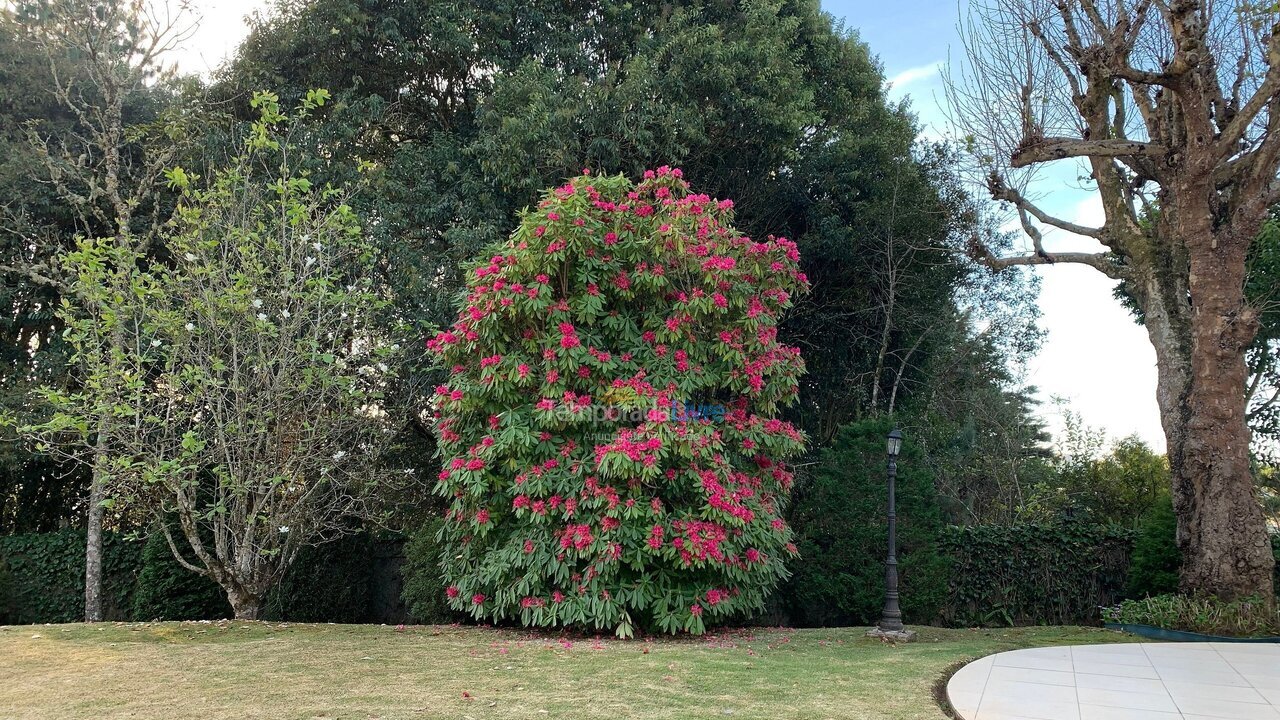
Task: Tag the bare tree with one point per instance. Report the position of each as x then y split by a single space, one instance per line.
1172 109
101 169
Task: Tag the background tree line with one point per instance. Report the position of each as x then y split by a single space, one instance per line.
460 115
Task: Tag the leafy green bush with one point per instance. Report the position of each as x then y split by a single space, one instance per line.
46 576
424 587
1034 574
1244 617
839 517
168 591
1156 559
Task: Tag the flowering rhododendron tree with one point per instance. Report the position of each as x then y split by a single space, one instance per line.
610 449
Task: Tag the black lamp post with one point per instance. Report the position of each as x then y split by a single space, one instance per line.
891 617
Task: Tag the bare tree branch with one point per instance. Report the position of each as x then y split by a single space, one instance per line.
1061 148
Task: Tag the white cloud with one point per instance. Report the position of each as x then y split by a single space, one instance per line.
1094 354
914 75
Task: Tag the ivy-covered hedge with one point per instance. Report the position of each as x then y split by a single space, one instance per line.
1034 574
353 580
45 574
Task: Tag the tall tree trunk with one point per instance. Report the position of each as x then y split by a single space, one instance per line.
93 555
1190 311
93 535
1221 531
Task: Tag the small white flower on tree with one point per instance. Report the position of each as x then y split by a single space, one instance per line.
232 428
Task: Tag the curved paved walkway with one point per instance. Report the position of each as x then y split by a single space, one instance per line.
1138 681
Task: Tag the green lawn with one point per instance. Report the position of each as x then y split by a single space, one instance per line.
265 670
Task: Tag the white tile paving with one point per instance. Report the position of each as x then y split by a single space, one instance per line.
1137 681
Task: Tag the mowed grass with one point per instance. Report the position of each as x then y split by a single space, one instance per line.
173 671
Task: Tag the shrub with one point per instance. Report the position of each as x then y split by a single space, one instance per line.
168 591
839 517
424 587
1034 574
611 453
1156 559
1243 617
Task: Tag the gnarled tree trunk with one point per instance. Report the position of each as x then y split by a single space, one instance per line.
245 605
1221 528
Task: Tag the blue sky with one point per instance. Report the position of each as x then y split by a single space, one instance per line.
1094 355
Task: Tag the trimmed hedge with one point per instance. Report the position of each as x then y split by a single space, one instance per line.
1156 560
424 585
6 591
327 583
1019 575
1034 574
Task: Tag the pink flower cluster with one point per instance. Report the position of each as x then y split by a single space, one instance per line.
576 536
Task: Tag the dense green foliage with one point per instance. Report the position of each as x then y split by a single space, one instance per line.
1241 617
1104 482
424 587
459 115
48 155
1156 559
468 113
1263 357
839 517
609 433
36 494
1033 574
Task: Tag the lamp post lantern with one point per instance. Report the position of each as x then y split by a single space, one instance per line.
890 625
